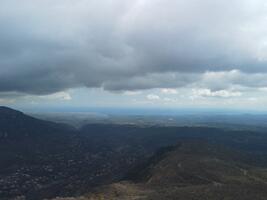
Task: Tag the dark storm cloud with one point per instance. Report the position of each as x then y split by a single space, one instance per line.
49 46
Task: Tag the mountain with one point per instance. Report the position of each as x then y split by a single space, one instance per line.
15 124
23 138
189 171
41 159
31 151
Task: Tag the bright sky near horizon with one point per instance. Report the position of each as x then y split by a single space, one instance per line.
143 53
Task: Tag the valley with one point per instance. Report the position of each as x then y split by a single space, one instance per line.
45 160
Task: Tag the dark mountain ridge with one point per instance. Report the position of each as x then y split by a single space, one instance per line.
15 124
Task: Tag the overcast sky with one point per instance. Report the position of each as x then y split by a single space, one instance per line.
166 53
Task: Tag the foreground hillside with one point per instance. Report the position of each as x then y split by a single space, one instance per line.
41 159
189 171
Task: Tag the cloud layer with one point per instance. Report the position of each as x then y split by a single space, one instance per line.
50 46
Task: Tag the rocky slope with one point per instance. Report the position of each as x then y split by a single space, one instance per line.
189 171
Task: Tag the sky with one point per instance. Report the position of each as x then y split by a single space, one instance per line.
142 53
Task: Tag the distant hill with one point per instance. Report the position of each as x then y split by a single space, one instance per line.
23 138
15 124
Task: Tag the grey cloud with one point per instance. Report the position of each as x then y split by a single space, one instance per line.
50 46
155 80
231 79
